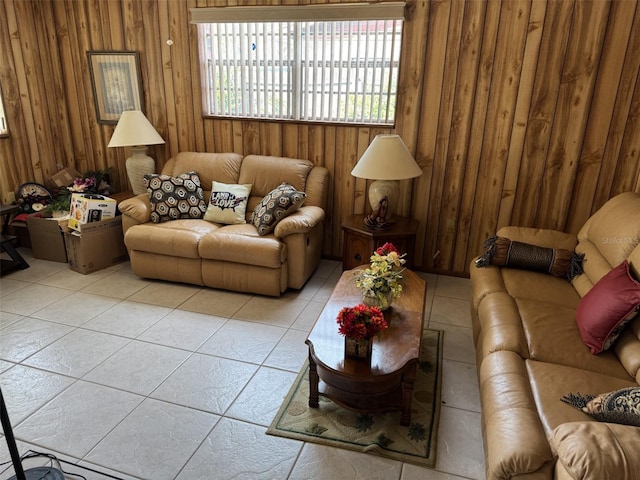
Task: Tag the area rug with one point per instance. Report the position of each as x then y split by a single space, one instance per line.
375 433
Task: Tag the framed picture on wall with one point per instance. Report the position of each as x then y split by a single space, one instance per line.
116 83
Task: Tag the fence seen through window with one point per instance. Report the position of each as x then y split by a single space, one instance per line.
325 71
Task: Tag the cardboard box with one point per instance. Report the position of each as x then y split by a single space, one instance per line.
98 245
47 238
63 178
88 208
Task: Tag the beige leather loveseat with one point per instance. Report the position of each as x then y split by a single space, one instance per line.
530 354
233 257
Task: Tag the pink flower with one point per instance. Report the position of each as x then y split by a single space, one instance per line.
82 185
386 249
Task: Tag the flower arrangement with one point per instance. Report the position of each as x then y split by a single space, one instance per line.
382 278
87 185
91 182
361 322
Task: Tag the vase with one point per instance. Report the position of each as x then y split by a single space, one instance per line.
358 347
383 302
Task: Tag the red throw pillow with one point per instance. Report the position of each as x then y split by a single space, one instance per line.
608 307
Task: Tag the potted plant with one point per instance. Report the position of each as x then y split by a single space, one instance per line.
359 325
91 182
380 282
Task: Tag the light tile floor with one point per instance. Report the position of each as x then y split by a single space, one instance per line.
154 380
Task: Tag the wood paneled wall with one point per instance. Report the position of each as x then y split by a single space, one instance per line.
518 111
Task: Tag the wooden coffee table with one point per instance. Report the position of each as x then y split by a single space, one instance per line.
385 384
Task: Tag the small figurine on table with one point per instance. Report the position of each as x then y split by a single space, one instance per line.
378 218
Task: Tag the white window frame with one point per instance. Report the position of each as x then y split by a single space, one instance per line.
272 70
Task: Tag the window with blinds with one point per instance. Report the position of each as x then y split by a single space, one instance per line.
317 63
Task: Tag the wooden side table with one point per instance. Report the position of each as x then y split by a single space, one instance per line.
360 242
121 196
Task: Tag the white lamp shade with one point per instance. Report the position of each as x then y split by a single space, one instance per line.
134 129
387 158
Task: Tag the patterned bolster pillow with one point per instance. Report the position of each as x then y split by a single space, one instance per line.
502 252
620 406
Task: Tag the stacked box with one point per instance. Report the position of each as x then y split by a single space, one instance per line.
97 246
63 178
47 238
88 208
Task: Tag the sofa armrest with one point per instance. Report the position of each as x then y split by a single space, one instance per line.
540 237
515 443
137 208
594 450
300 221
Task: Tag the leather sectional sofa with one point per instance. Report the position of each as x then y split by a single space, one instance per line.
232 256
530 354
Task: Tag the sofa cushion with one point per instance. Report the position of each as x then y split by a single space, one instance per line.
241 244
179 238
503 252
221 167
276 205
608 307
553 337
265 173
620 406
540 287
550 382
227 203
608 237
177 197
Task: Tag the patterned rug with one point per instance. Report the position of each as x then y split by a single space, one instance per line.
380 434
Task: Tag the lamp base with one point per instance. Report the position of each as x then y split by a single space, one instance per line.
138 165
378 218
381 189
383 195
372 224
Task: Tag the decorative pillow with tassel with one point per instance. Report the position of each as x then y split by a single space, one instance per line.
502 252
621 406
606 310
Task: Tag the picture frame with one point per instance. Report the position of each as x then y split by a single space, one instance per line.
116 83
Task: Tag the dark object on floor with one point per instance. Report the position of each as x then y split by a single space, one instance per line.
16 262
6 245
36 473
44 473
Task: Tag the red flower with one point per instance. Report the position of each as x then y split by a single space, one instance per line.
386 249
361 321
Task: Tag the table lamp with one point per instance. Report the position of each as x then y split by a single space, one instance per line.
386 160
135 131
